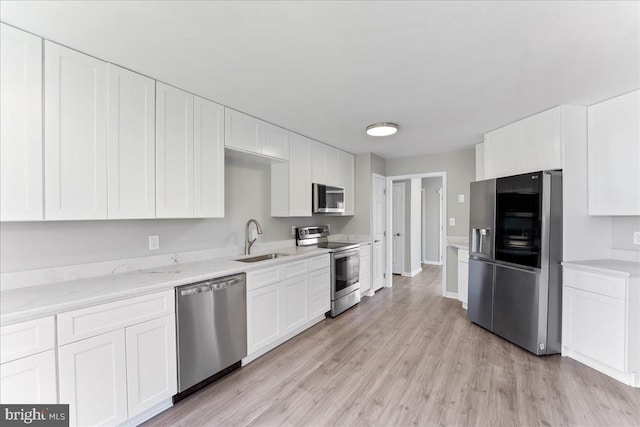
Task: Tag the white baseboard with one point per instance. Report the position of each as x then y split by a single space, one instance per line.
432 262
368 293
453 295
148 414
626 378
413 273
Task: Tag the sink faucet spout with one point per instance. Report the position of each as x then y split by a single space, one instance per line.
249 242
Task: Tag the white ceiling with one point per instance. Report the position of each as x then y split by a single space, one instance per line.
446 72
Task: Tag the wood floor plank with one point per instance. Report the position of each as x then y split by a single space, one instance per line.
407 356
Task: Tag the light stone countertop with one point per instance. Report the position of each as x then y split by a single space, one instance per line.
614 267
458 242
17 305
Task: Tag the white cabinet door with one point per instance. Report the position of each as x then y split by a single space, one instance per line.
75 134
131 145
300 176
541 144
294 294
29 380
208 161
151 363
174 152
93 379
274 141
614 156
319 163
347 181
501 151
319 292
594 325
333 167
20 125
264 324
241 131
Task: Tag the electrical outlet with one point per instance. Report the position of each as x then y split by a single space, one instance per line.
452 222
636 237
154 243
460 198
293 231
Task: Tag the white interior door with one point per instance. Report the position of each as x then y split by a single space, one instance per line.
397 221
379 221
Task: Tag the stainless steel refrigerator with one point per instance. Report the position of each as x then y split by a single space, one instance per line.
515 251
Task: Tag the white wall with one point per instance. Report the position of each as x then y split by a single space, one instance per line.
431 219
33 245
623 228
365 165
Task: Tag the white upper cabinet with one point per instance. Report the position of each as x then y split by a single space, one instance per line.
347 178
174 152
541 146
291 181
501 151
251 135
614 156
20 125
333 167
75 134
208 163
530 145
274 141
131 145
319 165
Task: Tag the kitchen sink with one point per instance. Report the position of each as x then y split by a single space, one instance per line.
264 257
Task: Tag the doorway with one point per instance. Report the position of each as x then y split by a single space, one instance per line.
432 221
414 239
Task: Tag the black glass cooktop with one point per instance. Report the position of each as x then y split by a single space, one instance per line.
337 245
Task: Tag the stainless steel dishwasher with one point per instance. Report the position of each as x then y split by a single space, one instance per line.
211 321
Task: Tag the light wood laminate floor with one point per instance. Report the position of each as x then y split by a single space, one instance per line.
407 356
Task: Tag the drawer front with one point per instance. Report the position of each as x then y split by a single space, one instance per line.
88 322
258 279
365 251
319 281
293 269
597 283
26 338
463 256
319 262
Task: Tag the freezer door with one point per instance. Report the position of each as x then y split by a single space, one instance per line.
480 303
482 219
517 306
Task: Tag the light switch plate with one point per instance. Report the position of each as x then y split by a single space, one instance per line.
636 237
452 222
460 198
154 243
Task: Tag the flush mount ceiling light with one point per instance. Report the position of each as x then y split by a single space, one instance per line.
382 129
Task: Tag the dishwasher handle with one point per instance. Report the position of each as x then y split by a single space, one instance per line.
211 286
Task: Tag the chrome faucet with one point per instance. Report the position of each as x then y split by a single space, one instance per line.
248 243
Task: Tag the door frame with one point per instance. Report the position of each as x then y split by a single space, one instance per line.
390 179
404 227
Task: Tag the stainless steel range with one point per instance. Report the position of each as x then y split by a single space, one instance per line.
345 266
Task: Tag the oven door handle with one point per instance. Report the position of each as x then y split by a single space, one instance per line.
351 252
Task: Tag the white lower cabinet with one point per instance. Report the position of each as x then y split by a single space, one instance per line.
365 270
601 323
283 301
31 379
463 277
151 363
93 379
263 317
128 366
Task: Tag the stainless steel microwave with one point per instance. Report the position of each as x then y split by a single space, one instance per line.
328 199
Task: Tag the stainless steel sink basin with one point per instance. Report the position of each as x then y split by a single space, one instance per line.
264 257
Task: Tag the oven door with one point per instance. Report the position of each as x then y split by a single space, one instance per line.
345 277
